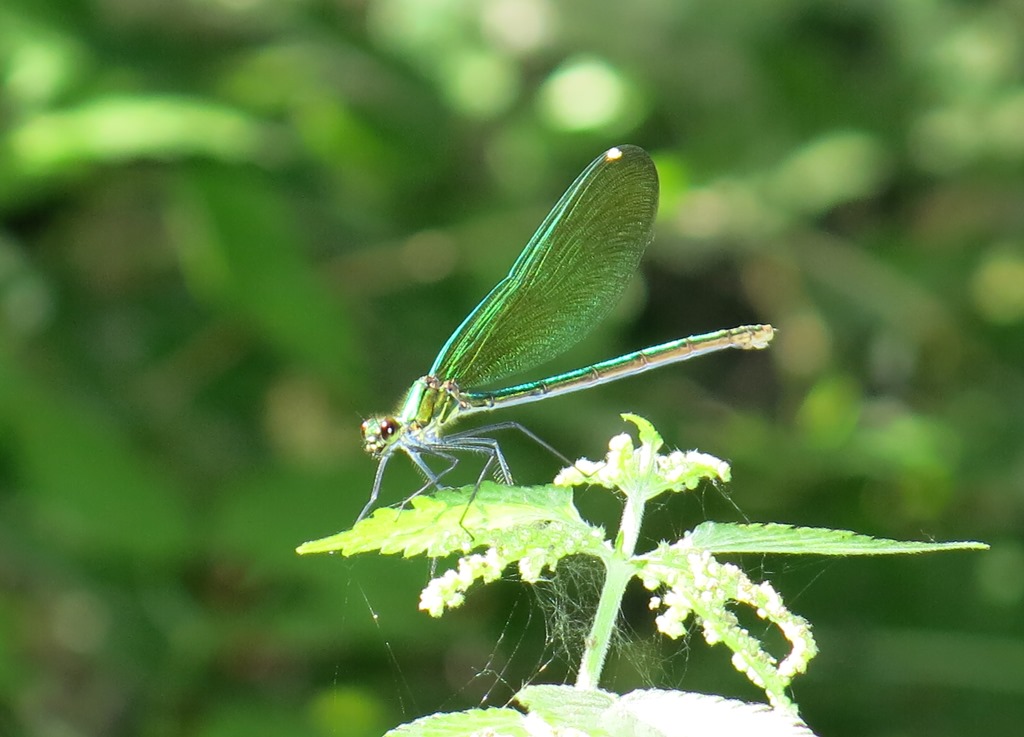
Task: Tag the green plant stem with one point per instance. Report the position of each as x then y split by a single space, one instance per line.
618 572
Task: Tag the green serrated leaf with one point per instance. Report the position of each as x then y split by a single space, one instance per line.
718 537
656 713
568 706
645 431
491 722
452 520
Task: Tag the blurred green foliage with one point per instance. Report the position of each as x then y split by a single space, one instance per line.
230 229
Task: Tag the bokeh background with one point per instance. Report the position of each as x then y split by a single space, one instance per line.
231 229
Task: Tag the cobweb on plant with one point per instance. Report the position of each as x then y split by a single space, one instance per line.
541 639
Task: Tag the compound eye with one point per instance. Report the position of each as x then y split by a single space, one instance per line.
388 427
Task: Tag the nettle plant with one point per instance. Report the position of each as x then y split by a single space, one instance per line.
492 527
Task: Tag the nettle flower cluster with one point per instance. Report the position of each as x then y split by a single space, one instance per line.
687 580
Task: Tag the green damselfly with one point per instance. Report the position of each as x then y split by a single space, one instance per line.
568 277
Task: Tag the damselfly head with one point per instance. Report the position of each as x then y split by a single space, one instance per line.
378 433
